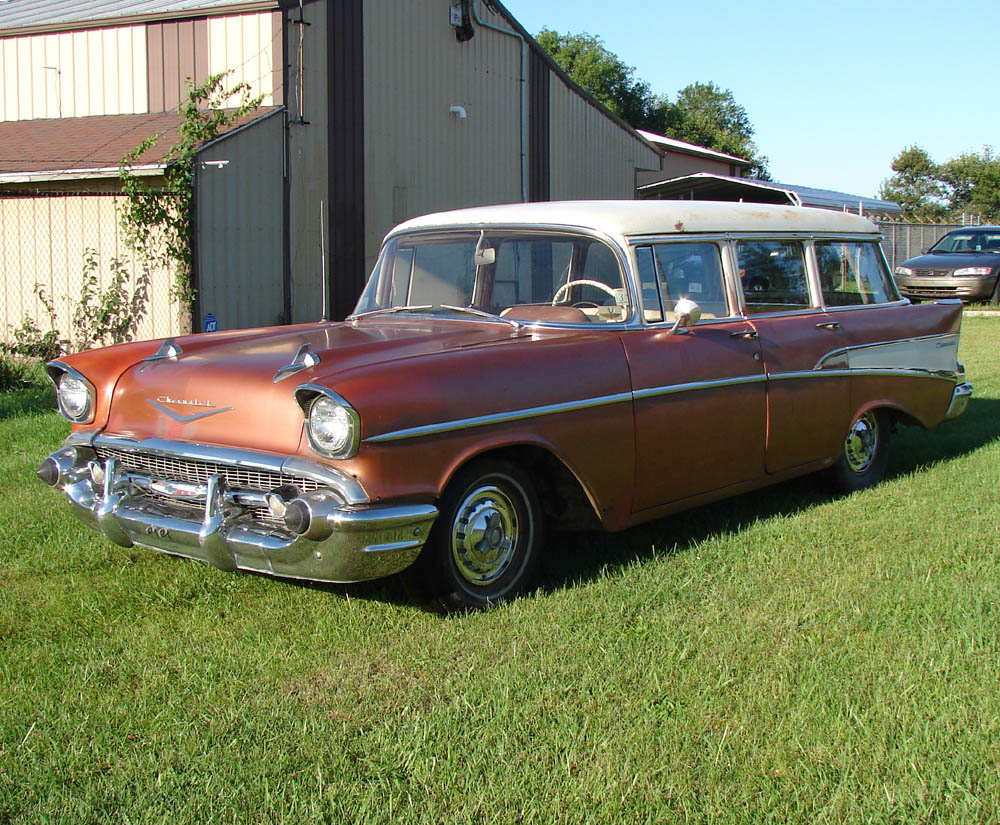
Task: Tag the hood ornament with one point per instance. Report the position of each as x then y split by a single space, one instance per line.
303 359
169 350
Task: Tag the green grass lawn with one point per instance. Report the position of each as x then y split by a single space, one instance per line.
786 656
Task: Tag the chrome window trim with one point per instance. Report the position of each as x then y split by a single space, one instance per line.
349 488
305 394
814 263
901 302
88 417
615 243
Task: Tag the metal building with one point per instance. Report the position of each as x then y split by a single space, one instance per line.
375 111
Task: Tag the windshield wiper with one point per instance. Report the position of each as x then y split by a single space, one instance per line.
389 311
483 314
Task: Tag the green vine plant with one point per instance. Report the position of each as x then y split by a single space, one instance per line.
158 221
28 339
110 315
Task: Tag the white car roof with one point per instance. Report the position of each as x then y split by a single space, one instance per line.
651 217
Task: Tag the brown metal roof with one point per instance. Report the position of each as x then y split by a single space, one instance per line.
80 145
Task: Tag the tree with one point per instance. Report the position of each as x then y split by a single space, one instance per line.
602 73
969 183
703 113
973 184
914 185
708 116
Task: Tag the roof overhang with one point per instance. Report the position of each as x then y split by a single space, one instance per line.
46 175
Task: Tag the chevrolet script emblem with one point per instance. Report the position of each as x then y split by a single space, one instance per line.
179 417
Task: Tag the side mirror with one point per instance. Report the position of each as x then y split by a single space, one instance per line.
687 313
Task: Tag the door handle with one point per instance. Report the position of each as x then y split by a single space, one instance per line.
746 334
828 325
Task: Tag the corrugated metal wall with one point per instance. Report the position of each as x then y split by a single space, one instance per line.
421 158
238 248
136 69
74 74
592 156
43 239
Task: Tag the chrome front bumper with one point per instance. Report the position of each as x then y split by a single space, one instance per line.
347 540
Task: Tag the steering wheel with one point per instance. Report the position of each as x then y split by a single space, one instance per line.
583 282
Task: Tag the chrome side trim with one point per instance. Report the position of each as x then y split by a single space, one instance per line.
346 486
653 392
912 372
498 418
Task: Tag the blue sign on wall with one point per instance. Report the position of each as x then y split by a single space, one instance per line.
211 324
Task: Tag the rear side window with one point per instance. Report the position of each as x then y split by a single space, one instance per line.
773 275
853 273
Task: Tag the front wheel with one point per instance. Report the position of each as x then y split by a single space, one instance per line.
865 453
485 543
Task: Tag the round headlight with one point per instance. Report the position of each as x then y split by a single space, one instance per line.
74 397
331 426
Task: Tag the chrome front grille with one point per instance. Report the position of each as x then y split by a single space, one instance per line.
170 468
932 273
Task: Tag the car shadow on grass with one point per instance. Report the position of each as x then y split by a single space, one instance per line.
574 558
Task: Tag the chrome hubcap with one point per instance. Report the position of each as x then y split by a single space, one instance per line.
861 443
484 535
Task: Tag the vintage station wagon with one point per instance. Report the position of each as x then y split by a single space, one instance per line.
508 370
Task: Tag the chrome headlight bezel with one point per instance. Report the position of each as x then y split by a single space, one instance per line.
308 396
62 376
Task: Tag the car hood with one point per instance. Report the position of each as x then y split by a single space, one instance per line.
222 389
952 260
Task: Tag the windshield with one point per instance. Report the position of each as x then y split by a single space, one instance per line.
967 241
525 276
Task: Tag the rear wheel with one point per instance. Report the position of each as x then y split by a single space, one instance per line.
865 452
485 543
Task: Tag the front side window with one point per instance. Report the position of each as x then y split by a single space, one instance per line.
852 273
773 275
669 272
519 275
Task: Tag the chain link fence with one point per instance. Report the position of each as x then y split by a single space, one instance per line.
907 240
45 238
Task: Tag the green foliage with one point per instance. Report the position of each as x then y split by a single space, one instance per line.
706 115
969 183
13 373
703 113
29 340
602 73
915 186
113 314
158 222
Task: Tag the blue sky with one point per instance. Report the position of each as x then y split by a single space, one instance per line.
834 90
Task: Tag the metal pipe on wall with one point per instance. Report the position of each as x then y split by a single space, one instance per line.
524 95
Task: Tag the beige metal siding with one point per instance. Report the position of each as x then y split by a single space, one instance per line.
246 46
43 240
74 74
591 155
239 228
420 157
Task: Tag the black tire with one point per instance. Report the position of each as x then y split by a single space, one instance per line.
498 500
865 453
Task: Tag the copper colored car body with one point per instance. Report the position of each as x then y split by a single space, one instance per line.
565 364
